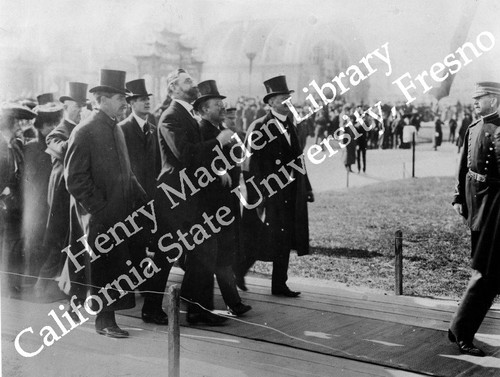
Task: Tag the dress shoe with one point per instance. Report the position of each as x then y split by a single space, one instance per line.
284 292
206 318
465 347
113 332
158 317
239 309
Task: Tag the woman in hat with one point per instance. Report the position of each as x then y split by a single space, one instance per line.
11 168
35 180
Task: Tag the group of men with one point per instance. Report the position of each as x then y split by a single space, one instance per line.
102 171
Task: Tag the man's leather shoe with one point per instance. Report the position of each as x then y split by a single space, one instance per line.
158 317
284 292
113 332
239 309
465 347
206 318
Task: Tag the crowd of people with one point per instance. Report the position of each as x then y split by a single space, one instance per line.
74 171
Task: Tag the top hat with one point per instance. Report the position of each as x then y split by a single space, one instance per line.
111 82
137 88
17 111
275 86
486 87
208 89
77 91
45 98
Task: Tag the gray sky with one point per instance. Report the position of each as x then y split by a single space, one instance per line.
419 32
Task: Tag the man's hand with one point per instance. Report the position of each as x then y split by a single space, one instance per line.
458 209
310 196
226 180
225 137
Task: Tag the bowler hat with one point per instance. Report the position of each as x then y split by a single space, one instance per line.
45 98
208 89
486 87
111 81
77 91
275 86
16 111
137 88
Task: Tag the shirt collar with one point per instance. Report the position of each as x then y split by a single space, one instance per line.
186 105
141 122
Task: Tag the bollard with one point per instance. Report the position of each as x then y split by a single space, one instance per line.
398 264
347 180
413 156
173 331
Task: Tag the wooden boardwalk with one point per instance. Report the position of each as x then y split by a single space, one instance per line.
326 332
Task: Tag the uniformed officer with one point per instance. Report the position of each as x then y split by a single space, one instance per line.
477 199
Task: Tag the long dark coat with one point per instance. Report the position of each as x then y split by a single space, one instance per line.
181 147
481 200
103 191
266 232
144 153
56 234
35 207
215 195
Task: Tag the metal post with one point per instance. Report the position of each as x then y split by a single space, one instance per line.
413 156
398 248
173 331
347 181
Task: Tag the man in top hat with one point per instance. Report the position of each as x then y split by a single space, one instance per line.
36 176
477 199
144 154
103 192
11 172
182 147
279 222
57 230
220 257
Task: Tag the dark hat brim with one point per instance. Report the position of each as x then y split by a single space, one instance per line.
203 98
108 89
130 96
68 98
17 111
269 95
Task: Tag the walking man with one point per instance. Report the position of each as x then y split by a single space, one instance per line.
477 199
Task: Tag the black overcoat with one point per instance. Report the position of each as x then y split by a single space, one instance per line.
58 196
265 230
144 153
103 191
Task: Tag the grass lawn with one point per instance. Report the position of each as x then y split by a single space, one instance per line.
352 238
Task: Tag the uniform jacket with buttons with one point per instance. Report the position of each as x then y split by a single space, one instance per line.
478 156
480 194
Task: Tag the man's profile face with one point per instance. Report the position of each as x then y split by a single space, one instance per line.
215 109
186 87
141 105
117 104
484 104
73 111
276 102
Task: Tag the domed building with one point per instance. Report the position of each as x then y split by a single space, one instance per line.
241 55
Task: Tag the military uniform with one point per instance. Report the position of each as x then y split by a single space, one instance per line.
478 190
